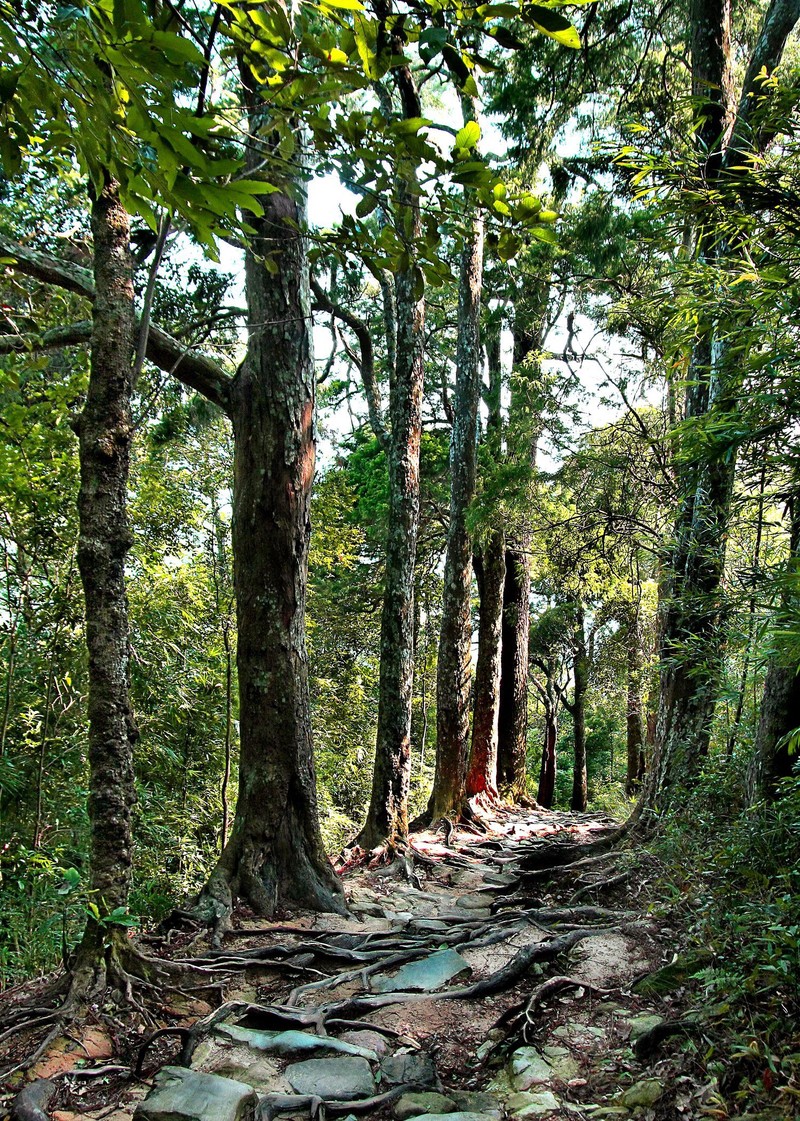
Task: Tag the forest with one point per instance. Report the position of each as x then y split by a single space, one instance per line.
399 419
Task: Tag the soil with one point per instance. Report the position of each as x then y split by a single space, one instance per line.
471 895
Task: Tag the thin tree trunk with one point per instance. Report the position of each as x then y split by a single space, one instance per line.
512 730
751 613
490 569
387 815
454 667
105 433
580 669
634 723
547 771
774 756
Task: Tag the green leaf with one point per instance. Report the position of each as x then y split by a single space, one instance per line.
545 233
366 205
552 24
346 5
468 136
9 80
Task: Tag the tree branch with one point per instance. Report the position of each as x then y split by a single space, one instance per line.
778 24
366 363
53 339
191 368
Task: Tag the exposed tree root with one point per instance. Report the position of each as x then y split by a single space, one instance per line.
296 1103
522 1019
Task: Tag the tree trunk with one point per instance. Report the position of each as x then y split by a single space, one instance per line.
580 669
274 853
105 433
512 730
454 668
490 569
692 646
387 816
634 723
774 756
547 771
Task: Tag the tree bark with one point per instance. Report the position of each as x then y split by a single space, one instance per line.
454 667
774 757
634 723
692 643
547 771
274 854
580 670
387 815
512 731
490 569
105 433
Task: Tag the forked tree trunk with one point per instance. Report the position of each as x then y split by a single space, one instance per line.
387 815
490 569
580 670
274 853
512 733
454 669
105 433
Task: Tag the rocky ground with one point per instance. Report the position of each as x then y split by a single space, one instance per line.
512 972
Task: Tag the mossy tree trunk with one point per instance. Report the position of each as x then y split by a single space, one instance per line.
454 668
105 431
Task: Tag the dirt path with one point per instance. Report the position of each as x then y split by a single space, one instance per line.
485 978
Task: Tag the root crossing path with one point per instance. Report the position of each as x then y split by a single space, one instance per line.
485 972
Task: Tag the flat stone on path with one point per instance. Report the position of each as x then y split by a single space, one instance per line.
532 1105
416 1069
186 1095
451 1116
338 1079
423 976
529 1068
414 1105
644 1023
645 1094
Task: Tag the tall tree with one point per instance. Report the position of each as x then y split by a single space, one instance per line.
692 630
454 677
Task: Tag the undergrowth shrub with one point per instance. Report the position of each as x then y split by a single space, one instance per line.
733 872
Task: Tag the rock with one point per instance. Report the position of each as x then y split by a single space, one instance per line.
292 1042
645 1093
370 1040
416 1069
562 1064
240 1063
426 975
337 1080
457 1116
31 1103
529 1068
412 1105
186 1095
474 902
532 1105
365 908
475 1101
434 925
644 1023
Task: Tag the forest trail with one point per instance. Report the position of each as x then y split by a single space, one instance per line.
491 976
